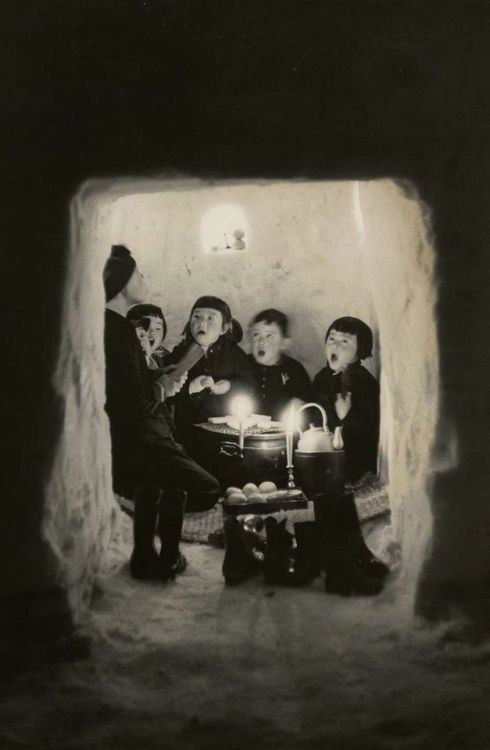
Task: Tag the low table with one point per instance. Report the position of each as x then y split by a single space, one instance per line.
274 502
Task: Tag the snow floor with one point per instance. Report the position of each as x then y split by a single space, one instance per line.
195 666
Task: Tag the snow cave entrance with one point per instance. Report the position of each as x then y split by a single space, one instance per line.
316 250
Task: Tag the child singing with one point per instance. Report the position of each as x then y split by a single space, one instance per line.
220 374
350 394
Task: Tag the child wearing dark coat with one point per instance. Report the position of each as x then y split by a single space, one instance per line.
281 380
350 394
222 373
151 329
150 325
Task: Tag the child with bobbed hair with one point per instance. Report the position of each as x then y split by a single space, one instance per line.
219 375
350 394
151 329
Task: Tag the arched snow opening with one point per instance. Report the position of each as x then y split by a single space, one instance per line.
319 250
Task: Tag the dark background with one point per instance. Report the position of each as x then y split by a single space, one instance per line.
251 88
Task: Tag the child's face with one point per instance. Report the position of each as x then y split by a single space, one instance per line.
268 343
155 332
341 350
207 325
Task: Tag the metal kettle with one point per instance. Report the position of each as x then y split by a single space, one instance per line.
315 439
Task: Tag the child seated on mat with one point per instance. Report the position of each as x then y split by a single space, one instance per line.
219 375
350 394
281 380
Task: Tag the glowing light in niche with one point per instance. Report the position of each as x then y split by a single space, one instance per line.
225 229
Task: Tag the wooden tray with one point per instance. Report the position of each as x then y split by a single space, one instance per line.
275 501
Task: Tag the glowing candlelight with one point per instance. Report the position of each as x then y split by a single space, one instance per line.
241 407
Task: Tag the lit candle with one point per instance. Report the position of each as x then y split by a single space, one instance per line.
241 407
290 424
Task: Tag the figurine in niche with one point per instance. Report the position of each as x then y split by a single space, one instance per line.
239 243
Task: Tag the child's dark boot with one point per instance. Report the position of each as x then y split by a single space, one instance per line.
343 547
310 553
242 552
170 520
143 564
279 561
371 565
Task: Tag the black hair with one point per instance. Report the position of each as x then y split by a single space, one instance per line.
236 331
358 328
271 315
216 303
139 316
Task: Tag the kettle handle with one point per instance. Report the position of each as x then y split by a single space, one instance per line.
323 413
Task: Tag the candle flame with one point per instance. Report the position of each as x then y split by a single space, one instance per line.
241 407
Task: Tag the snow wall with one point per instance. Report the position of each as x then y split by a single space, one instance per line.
316 250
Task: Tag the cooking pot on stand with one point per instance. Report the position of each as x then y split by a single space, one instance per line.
263 457
319 467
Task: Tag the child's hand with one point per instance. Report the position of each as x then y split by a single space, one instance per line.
220 387
170 384
343 404
200 383
145 344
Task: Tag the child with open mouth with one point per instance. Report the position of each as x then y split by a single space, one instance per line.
151 329
350 394
222 373
281 380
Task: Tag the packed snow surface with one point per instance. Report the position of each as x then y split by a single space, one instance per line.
196 666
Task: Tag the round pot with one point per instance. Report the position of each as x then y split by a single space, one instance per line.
320 473
263 457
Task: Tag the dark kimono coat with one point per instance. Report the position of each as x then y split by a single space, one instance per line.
138 418
224 360
278 384
360 428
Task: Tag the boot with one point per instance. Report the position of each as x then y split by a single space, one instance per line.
278 562
346 578
309 552
371 565
339 521
239 562
143 564
170 520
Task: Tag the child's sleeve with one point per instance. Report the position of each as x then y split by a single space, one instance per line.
318 388
363 417
319 394
241 375
132 389
301 384
171 358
